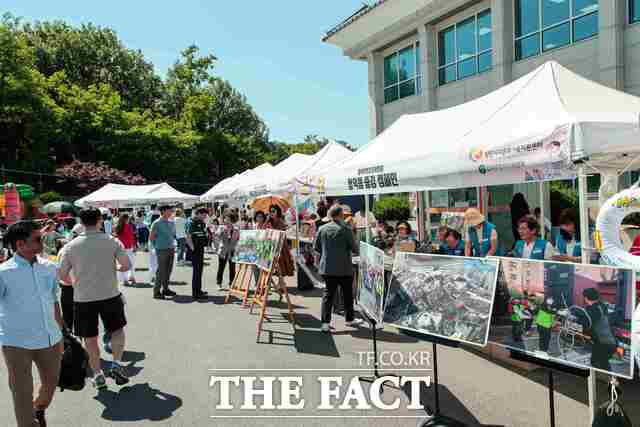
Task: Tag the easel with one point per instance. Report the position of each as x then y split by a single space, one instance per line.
261 296
550 366
376 373
241 285
437 419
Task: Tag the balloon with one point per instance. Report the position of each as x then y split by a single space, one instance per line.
607 237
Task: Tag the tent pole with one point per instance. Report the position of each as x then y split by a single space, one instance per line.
295 202
366 218
584 233
542 209
427 216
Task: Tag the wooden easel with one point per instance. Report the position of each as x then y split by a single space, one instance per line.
261 296
241 285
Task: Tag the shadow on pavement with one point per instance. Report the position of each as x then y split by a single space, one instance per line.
133 356
188 299
311 293
138 403
381 335
141 285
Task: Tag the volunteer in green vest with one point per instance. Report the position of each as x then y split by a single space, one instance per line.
517 315
530 246
545 318
568 246
481 237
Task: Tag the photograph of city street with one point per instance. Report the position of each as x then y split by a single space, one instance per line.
450 297
573 314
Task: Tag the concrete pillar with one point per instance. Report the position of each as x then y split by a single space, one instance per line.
428 66
611 23
376 93
502 40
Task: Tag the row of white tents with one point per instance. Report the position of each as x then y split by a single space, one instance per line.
537 128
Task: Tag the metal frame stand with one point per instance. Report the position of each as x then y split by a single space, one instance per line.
376 372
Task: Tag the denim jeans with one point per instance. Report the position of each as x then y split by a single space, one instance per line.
182 243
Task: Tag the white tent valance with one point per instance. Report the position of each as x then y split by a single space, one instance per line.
530 130
123 196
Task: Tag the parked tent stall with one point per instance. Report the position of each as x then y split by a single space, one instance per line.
551 124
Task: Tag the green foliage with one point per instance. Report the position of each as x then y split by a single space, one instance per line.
392 208
563 196
49 197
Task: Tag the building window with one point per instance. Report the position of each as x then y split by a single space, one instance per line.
464 49
543 25
402 76
634 11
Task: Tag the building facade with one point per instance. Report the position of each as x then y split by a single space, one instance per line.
426 55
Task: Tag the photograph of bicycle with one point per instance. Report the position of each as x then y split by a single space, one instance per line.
575 314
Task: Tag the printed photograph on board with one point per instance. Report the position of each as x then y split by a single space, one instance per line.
450 297
268 246
575 314
246 249
371 282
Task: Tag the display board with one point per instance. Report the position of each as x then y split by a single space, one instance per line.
446 296
246 250
371 282
268 246
544 309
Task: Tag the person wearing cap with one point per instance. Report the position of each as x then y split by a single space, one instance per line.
530 246
335 244
481 237
604 343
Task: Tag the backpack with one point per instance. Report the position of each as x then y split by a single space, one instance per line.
75 361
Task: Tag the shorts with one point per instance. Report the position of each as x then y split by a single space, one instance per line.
111 312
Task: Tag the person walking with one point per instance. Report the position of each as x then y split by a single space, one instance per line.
142 231
335 244
181 236
30 324
196 236
604 342
92 258
125 233
163 236
228 236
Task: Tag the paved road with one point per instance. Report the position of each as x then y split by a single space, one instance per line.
172 345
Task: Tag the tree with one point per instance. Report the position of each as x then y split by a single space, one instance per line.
90 177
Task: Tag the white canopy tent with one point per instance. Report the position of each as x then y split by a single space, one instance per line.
225 188
123 196
306 181
284 171
530 130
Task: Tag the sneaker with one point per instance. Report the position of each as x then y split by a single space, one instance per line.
99 382
39 416
356 323
169 293
119 375
325 328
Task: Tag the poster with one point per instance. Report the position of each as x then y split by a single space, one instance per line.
542 308
371 282
245 252
268 246
446 296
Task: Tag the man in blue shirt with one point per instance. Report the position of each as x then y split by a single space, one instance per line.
30 323
163 237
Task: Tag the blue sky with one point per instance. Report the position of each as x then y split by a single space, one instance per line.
269 50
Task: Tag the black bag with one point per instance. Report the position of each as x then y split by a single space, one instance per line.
75 361
611 414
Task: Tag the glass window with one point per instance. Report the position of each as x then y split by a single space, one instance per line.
484 31
585 27
634 10
556 37
543 25
554 11
447 47
527 17
391 69
580 7
402 74
407 64
464 49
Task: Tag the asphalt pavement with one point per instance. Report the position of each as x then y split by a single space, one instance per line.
178 352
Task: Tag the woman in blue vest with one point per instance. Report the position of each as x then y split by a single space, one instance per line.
530 246
481 238
454 243
568 246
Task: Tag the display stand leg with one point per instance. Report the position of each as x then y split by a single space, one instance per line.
376 372
552 410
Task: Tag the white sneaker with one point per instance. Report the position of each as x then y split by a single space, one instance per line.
325 328
356 323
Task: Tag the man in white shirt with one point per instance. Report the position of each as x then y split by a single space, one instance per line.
181 235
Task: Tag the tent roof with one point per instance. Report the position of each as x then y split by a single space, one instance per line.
525 131
121 195
284 171
228 186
